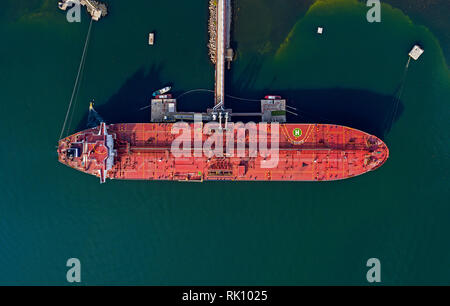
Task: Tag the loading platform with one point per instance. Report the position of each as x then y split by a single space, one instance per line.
95 9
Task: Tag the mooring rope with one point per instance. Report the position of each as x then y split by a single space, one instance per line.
75 99
209 90
80 68
398 96
194 90
212 91
242 99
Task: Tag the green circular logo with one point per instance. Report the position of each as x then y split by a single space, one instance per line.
297 132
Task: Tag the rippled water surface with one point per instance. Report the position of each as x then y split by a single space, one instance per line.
225 233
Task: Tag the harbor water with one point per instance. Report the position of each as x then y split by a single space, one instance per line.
225 233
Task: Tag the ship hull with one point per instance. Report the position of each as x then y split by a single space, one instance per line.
258 152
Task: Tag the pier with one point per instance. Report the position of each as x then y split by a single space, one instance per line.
273 108
95 9
219 27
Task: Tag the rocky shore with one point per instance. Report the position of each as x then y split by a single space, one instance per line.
212 29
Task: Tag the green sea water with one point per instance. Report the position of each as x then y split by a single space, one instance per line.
221 233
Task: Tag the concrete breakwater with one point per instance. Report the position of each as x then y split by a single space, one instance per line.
212 29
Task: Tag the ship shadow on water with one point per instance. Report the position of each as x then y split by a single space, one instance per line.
124 106
360 109
131 103
364 110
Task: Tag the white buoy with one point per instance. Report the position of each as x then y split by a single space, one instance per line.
319 30
151 38
416 52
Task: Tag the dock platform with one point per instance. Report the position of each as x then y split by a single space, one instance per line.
95 9
416 52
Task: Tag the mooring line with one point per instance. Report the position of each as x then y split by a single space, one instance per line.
75 99
194 90
397 97
80 67
242 99
209 90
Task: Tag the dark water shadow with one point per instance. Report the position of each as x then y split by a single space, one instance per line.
248 76
124 106
196 102
360 109
130 104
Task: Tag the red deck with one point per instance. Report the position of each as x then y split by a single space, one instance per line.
307 152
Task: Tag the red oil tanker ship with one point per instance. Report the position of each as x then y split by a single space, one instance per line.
143 151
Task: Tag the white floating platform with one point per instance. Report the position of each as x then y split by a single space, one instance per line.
319 30
151 39
416 52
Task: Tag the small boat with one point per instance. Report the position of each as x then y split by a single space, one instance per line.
272 97
168 96
151 39
162 91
